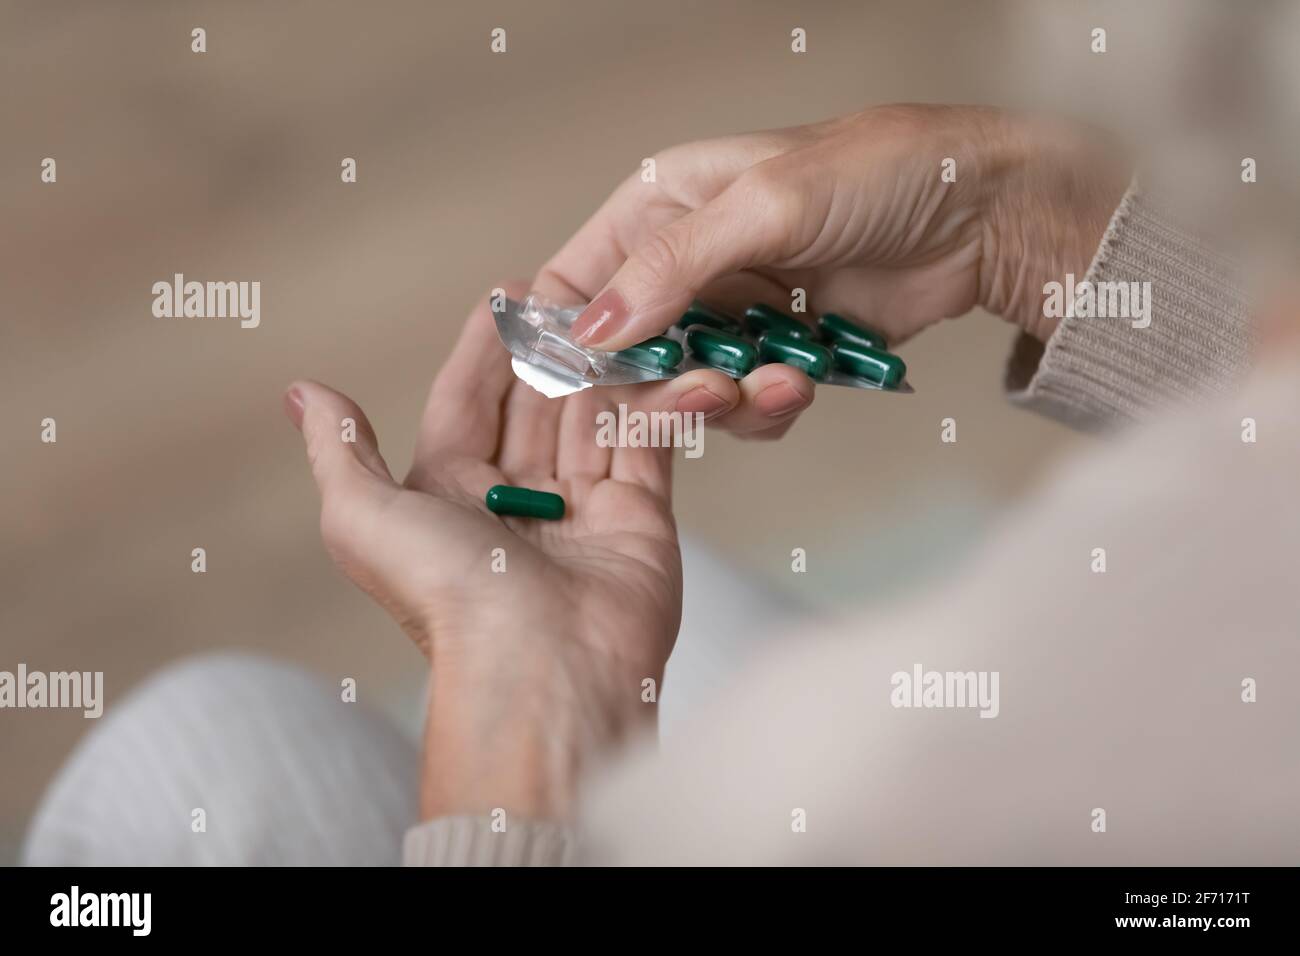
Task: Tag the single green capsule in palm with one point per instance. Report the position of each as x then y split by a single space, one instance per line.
810 358
836 328
761 318
524 503
862 361
659 354
727 352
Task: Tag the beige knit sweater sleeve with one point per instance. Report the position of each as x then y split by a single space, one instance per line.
1097 372
1092 373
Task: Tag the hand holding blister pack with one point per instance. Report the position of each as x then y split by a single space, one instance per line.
837 352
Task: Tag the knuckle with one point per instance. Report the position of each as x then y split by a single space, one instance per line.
661 255
763 179
770 178
776 190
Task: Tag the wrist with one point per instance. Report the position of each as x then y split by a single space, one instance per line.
514 720
1057 190
480 757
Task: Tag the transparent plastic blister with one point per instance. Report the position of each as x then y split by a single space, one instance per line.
551 324
536 333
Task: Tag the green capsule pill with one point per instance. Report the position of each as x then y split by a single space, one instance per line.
761 318
659 354
882 368
727 352
524 502
836 328
808 357
701 314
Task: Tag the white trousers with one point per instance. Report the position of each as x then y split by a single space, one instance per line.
233 759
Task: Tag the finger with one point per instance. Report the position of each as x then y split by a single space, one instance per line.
341 443
703 391
695 397
529 433
686 177
554 438
360 520
579 454
770 395
742 227
462 417
698 396
594 253
775 433
649 467
354 483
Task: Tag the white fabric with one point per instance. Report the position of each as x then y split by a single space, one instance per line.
289 774
286 772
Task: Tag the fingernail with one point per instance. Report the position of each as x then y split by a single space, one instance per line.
701 400
779 399
606 315
294 406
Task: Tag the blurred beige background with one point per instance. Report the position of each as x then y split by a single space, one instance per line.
473 167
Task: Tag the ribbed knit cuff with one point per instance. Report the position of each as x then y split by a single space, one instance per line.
471 841
1100 371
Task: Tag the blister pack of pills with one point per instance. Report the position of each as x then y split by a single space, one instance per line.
838 351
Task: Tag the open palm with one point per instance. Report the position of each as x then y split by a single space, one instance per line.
596 592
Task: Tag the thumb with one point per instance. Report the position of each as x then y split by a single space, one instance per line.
341 444
665 273
367 539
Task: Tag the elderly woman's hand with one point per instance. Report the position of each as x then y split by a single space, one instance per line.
540 633
899 216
